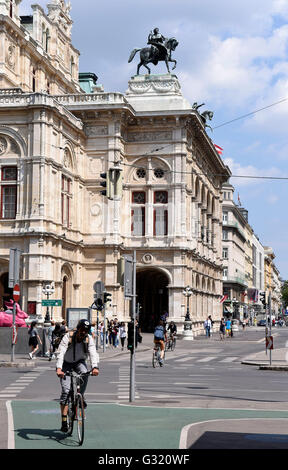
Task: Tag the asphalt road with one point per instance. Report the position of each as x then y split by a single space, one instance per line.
203 381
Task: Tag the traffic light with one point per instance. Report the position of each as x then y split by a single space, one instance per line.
130 338
116 183
99 303
113 183
105 184
263 298
107 297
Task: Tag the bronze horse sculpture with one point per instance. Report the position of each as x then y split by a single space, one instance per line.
155 54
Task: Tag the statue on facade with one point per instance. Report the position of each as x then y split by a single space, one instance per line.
207 115
160 49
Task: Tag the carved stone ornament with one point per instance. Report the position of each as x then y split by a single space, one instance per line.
157 86
67 160
147 258
149 136
91 131
3 145
11 56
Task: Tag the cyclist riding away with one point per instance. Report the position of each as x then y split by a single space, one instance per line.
72 354
159 339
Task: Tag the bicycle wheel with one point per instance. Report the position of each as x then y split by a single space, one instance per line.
154 359
167 345
70 416
173 344
80 417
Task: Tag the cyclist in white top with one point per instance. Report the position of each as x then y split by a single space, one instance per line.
72 354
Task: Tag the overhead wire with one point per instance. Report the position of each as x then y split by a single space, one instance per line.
157 149
250 114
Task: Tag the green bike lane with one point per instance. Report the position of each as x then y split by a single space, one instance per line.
35 425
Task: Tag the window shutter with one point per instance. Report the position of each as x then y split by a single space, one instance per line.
160 221
138 221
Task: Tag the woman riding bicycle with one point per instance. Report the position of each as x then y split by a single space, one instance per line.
159 339
72 354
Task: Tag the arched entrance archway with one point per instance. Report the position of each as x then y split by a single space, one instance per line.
66 275
152 296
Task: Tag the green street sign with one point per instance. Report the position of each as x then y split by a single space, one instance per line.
51 303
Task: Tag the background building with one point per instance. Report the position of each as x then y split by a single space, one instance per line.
56 140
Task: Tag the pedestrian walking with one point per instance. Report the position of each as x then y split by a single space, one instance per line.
101 331
123 334
49 337
34 340
109 329
93 331
222 329
228 327
114 333
207 327
212 323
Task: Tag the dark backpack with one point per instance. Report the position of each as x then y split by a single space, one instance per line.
72 342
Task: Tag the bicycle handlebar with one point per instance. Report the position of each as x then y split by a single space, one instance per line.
82 374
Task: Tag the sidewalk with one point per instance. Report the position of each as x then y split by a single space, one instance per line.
279 359
260 359
22 360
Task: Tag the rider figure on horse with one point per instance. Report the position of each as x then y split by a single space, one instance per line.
156 39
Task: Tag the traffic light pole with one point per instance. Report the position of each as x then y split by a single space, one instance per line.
104 330
132 357
270 326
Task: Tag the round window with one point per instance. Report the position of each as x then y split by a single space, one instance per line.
141 173
159 173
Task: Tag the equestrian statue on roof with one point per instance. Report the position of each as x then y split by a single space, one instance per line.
160 50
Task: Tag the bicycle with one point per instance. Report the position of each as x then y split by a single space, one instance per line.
156 361
170 343
76 411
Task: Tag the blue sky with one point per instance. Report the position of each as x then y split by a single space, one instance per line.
233 56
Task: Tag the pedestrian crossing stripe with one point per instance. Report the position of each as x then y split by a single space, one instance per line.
206 359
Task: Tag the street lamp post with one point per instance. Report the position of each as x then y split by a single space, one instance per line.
187 334
48 289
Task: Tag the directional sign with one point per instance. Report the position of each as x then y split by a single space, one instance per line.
16 293
269 342
51 303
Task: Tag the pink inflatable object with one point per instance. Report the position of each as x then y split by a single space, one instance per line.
6 319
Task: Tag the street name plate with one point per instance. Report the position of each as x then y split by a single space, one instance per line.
51 303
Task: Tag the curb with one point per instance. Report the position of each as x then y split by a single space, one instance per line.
34 363
265 366
18 364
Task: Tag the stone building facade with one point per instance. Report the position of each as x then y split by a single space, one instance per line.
56 140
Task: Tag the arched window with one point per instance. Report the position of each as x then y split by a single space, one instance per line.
160 213
66 197
72 66
47 40
33 79
11 8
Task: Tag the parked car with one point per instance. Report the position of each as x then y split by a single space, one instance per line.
261 323
235 325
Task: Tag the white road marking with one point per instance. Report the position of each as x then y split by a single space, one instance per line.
206 359
229 359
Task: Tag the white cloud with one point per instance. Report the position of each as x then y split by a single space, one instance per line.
255 174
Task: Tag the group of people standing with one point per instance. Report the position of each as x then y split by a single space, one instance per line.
225 329
116 333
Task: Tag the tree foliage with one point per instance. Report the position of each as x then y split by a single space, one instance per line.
284 292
